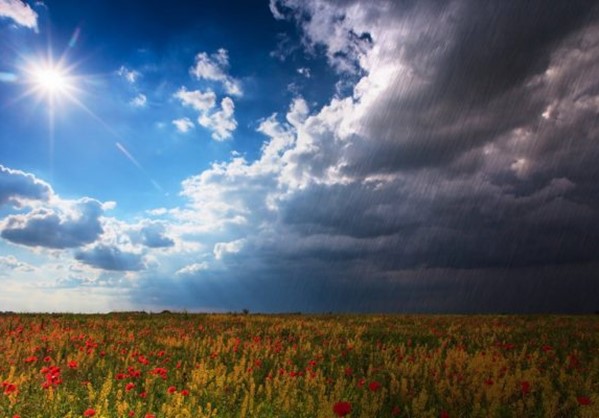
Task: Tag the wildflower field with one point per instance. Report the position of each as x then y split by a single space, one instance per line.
188 365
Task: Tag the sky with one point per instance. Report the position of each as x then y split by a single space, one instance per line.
299 155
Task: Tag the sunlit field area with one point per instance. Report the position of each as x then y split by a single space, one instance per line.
235 365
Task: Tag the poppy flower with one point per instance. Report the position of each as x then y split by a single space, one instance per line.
395 411
129 386
525 387
72 364
9 388
171 389
342 408
89 412
185 392
444 414
374 386
584 400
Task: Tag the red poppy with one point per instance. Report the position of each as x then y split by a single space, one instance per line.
342 408
374 386
584 400
171 389
184 392
129 386
395 411
89 412
444 414
150 416
72 364
546 348
9 388
525 387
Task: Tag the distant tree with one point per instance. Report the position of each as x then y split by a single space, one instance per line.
245 311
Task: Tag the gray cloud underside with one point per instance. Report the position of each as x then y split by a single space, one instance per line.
110 258
52 229
15 186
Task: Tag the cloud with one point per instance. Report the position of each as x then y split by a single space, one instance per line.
198 100
19 12
11 263
67 224
222 123
214 67
183 125
130 75
416 174
153 235
192 269
139 101
18 187
305 71
223 248
272 5
111 258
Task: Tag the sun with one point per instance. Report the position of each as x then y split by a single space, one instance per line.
50 80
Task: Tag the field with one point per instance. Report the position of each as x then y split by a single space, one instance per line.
184 365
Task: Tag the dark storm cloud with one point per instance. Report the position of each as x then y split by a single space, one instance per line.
476 62
50 228
461 175
499 45
16 185
490 150
108 257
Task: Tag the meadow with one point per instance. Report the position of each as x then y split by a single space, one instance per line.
234 365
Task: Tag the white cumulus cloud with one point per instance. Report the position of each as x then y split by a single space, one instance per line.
233 247
222 123
130 75
192 269
139 101
19 12
214 67
197 99
183 125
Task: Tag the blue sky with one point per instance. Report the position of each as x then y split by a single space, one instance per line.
290 155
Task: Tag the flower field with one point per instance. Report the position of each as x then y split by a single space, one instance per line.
187 365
